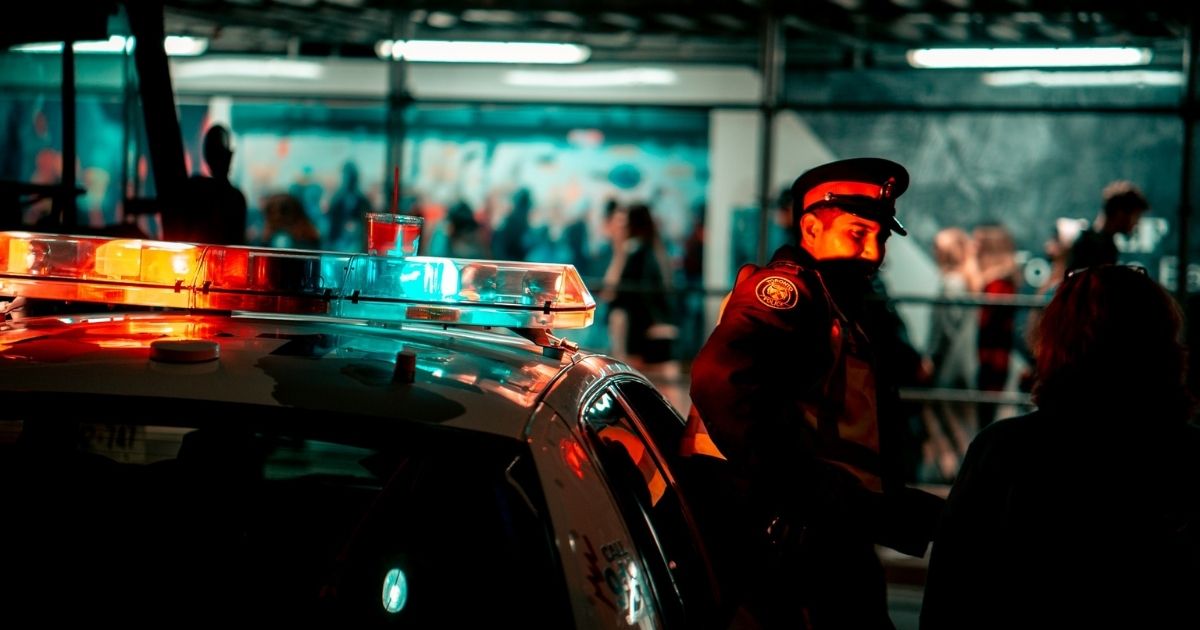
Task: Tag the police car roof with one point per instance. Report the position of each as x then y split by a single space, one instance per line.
464 378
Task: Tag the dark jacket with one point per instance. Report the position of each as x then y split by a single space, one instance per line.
1076 518
766 384
1092 249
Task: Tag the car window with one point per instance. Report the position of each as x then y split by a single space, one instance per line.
270 523
641 474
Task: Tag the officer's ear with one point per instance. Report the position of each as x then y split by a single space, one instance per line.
811 227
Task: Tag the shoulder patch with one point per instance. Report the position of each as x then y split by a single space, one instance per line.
777 292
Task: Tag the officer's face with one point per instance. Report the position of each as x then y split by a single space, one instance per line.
841 235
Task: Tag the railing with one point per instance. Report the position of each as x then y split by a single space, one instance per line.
913 394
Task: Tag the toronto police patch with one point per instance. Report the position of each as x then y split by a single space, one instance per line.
777 292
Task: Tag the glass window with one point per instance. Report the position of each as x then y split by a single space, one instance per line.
309 521
635 439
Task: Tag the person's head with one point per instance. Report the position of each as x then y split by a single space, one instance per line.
640 223
1124 205
995 250
350 175
951 247
846 210
1110 338
218 151
461 218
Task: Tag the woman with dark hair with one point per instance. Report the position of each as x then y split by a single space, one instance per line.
642 309
1085 513
288 225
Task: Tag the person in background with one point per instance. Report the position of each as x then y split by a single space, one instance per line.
288 225
1085 513
309 192
998 270
459 235
347 209
212 210
691 303
643 304
1124 205
953 355
788 432
509 239
1057 249
602 277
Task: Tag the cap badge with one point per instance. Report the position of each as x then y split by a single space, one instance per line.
777 292
887 190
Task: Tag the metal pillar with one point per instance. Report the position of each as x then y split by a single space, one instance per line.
397 105
165 140
772 71
1189 141
65 209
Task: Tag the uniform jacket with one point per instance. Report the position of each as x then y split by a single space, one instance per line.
784 360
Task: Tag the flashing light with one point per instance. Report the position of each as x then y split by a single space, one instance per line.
271 281
395 591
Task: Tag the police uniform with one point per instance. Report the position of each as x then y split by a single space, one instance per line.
785 426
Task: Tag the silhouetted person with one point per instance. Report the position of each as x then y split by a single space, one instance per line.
643 304
347 211
212 209
459 235
1124 205
1085 513
508 241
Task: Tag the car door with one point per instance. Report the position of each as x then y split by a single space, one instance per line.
634 433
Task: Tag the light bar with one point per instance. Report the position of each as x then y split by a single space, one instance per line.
482 52
279 281
1027 57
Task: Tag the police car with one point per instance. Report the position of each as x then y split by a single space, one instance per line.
242 434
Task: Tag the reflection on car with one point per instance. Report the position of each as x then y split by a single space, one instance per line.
315 438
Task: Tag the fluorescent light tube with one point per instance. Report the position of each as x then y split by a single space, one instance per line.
175 45
257 68
482 52
599 79
1027 57
1013 78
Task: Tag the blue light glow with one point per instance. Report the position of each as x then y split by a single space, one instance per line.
395 591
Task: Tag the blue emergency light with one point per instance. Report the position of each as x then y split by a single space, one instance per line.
298 282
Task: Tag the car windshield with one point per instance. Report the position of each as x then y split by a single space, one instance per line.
117 510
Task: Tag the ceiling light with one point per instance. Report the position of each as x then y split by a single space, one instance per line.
608 78
482 52
1027 57
185 46
175 46
1155 78
257 68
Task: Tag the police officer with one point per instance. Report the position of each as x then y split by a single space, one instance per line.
785 422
